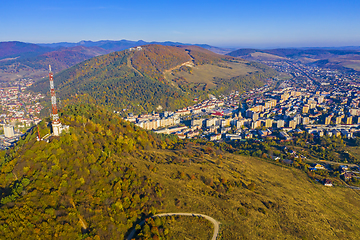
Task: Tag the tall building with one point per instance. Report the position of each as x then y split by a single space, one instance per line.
320 99
255 116
9 131
349 120
255 124
297 119
268 122
328 120
354 111
280 123
338 120
305 109
292 124
312 103
305 120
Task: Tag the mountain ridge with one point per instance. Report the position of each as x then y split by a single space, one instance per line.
118 45
137 80
21 60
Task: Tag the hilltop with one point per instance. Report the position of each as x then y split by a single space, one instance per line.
156 75
105 176
21 60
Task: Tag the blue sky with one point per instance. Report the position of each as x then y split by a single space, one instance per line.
251 23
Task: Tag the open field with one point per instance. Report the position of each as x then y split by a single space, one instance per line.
24 73
284 76
354 150
266 56
354 64
205 73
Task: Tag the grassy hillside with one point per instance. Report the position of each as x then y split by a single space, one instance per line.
204 74
142 80
255 199
105 176
155 59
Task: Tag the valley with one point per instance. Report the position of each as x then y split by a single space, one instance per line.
248 146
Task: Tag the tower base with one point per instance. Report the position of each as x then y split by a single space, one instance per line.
56 126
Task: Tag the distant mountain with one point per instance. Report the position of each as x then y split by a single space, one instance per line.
335 48
125 44
35 65
346 58
295 52
20 60
168 76
63 58
21 49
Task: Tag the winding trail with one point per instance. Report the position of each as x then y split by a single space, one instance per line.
212 220
129 64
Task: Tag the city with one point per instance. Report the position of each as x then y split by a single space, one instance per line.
319 101
154 120
19 110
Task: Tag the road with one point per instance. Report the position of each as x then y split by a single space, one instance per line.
213 221
352 187
330 162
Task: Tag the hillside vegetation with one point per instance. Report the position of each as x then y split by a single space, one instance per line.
104 176
22 60
137 80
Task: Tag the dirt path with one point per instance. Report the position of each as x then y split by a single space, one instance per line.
212 220
131 66
189 63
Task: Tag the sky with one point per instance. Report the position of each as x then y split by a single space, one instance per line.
222 23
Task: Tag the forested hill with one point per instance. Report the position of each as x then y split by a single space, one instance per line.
141 80
77 185
105 176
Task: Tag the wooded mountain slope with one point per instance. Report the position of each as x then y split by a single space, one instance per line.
104 176
136 80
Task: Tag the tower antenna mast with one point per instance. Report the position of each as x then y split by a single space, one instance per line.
56 124
55 115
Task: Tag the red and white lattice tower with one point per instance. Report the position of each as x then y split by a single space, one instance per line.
56 124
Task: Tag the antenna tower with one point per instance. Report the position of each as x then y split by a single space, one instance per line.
55 115
56 124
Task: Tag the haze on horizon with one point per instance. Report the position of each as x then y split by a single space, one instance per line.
258 23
